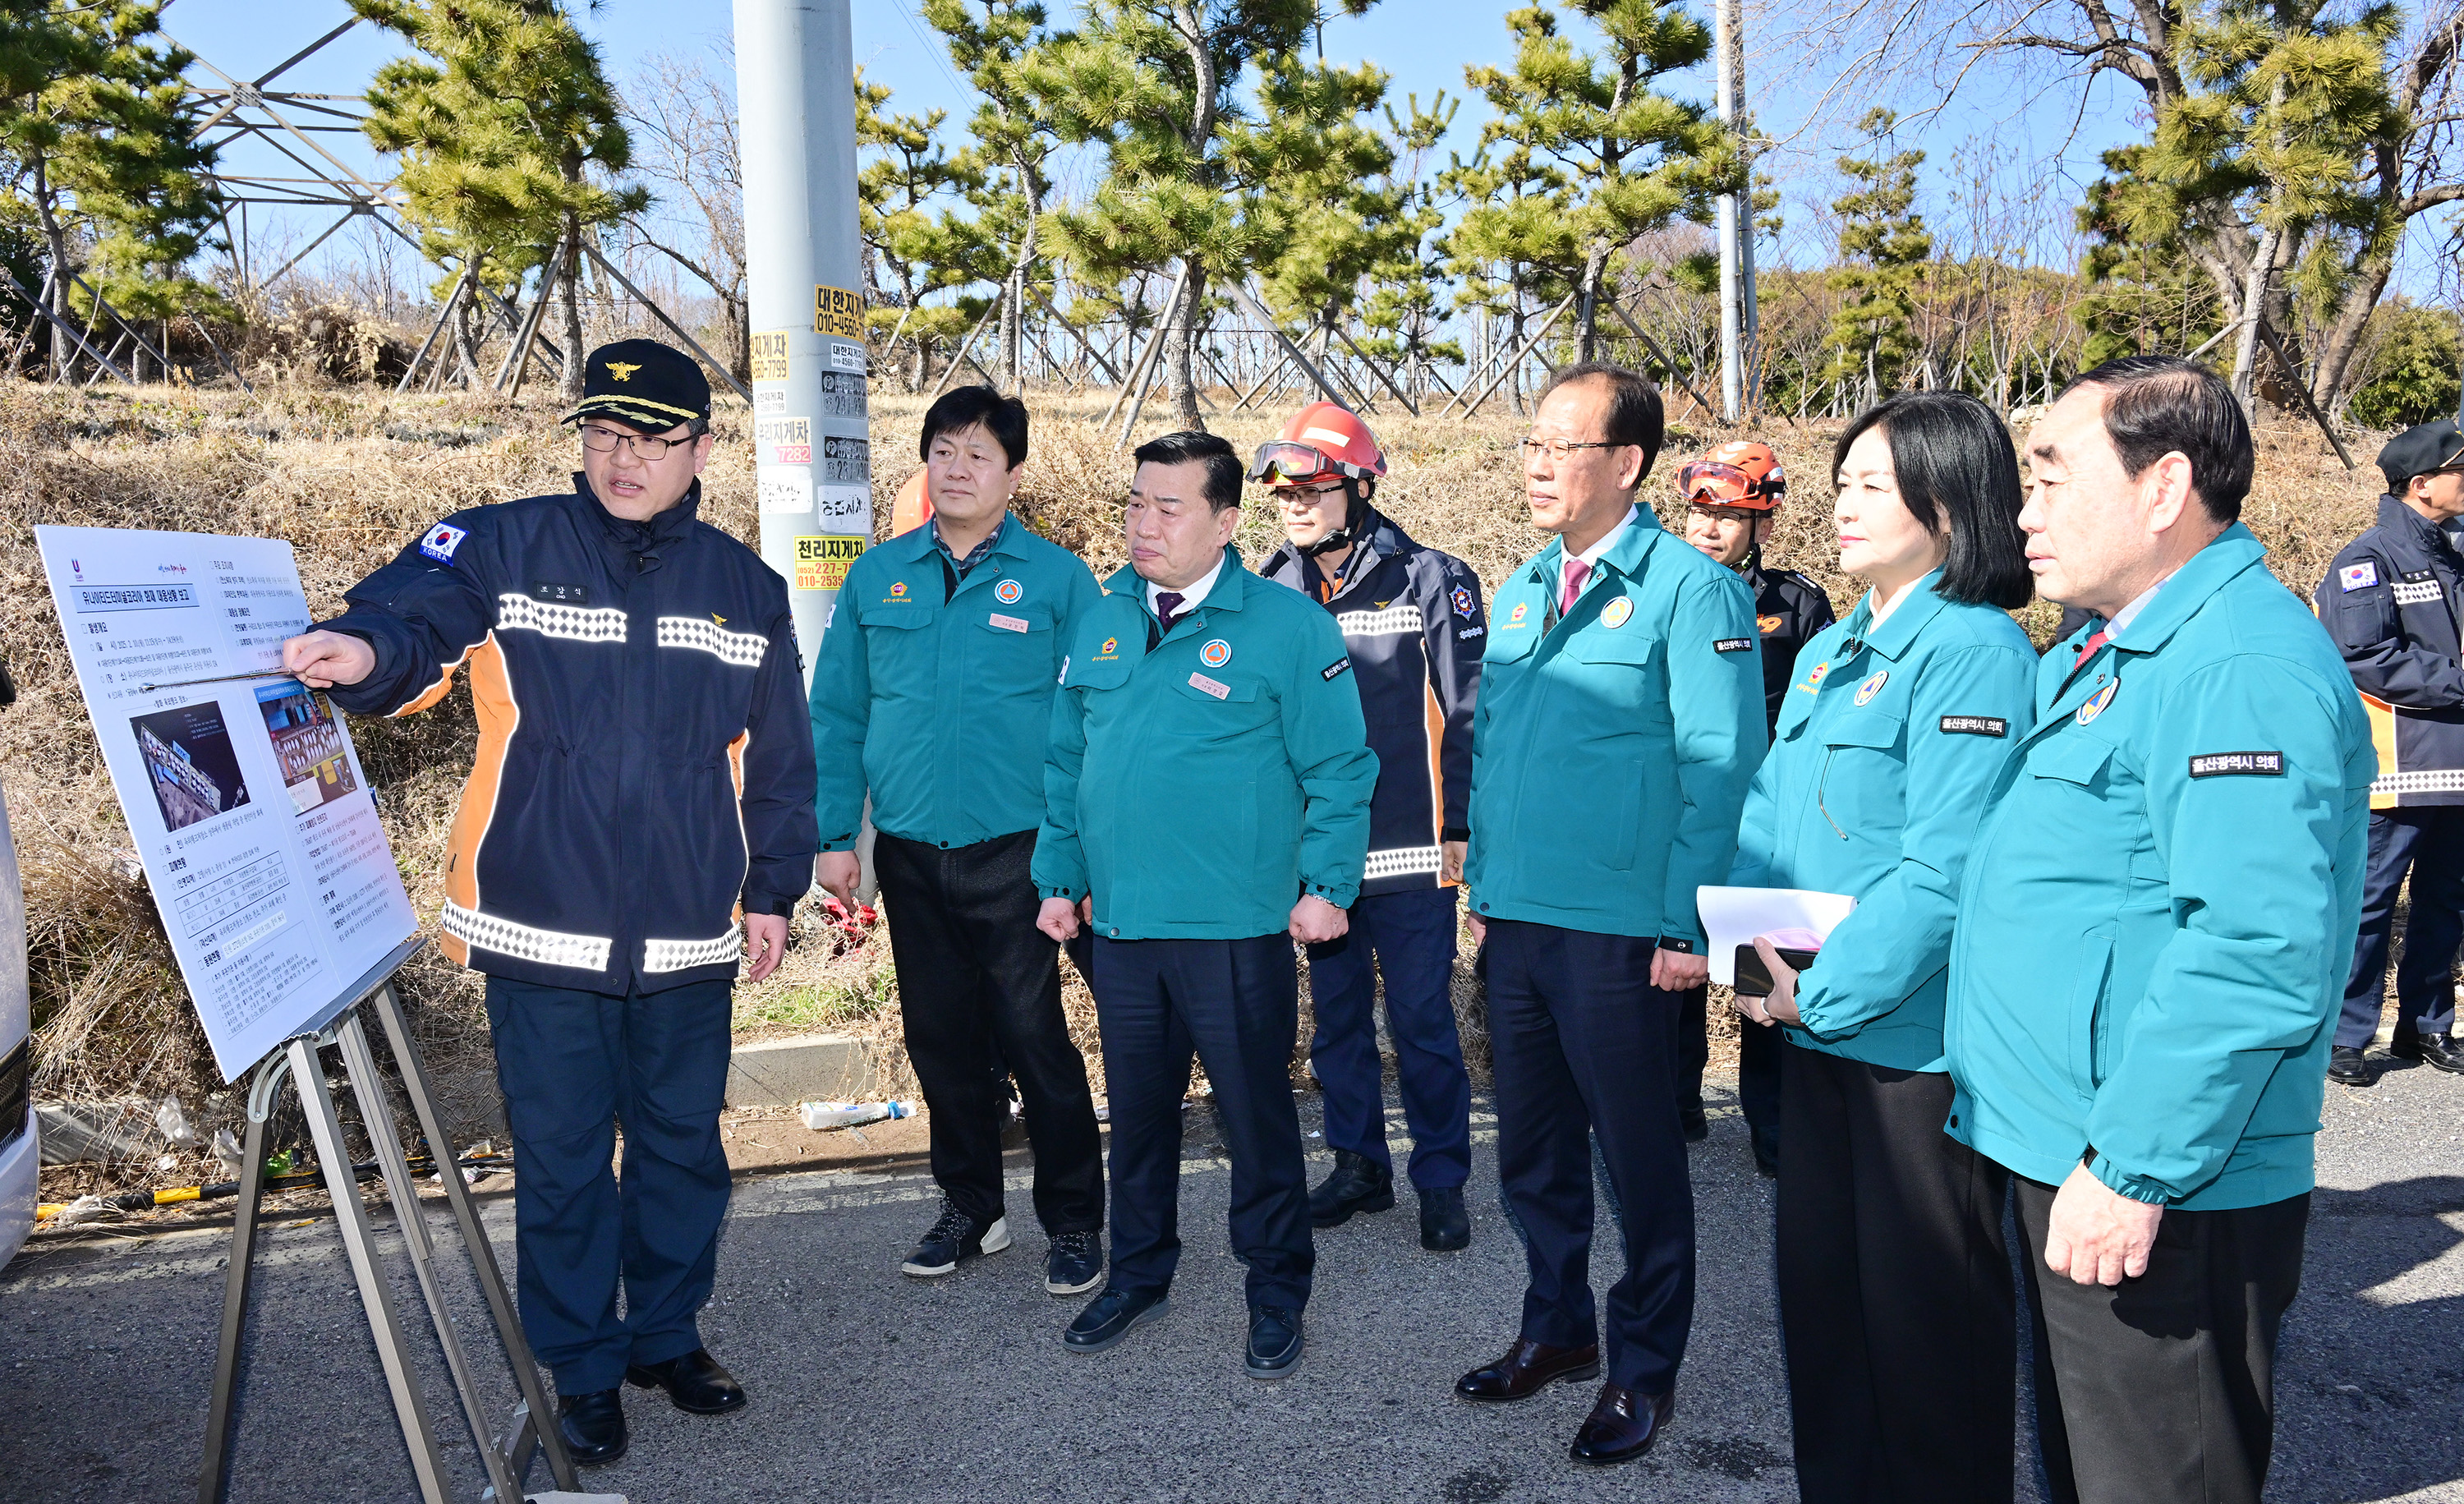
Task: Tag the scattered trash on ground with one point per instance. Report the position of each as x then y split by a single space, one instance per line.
823 1116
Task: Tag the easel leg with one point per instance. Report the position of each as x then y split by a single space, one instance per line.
385 1323
367 1088
483 1254
235 1279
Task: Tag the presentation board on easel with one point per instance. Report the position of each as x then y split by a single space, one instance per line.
244 796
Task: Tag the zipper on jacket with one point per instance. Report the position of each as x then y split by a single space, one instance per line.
1823 786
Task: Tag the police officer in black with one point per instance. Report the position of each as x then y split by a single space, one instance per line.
643 787
1731 495
2392 601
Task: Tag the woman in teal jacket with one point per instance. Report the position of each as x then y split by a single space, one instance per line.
1894 1293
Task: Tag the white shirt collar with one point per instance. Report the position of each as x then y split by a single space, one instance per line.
1592 555
2124 616
1190 595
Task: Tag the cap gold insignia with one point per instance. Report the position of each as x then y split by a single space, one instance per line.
721 620
621 371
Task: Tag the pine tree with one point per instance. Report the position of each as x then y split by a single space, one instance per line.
916 249
1882 244
1632 159
97 138
1514 246
1013 142
1157 84
499 136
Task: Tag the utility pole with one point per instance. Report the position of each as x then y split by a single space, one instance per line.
1724 26
795 75
1749 304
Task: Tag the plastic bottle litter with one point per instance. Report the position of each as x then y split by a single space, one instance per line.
819 1115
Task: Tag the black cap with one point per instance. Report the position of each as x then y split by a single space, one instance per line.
651 386
2419 451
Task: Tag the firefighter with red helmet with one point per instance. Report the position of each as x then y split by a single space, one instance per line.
1733 495
1412 627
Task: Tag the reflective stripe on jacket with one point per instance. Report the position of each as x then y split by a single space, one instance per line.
644 761
938 701
1412 622
1198 787
2390 601
1610 750
2160 905
1891 739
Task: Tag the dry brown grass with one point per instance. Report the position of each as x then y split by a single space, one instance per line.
347 476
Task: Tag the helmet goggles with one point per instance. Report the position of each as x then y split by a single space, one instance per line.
1711 482
1284 462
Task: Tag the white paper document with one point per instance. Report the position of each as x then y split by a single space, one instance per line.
244 797
1733 917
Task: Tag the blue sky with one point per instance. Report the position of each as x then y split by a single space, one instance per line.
2034 140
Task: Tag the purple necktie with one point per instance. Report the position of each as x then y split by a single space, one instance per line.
1167 607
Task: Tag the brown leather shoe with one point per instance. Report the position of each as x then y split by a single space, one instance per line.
1621 1426
1528 1369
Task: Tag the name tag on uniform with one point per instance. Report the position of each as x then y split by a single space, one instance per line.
1976 726
1009 623
1206 686
2213 764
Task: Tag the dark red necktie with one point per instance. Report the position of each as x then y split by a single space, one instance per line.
2089 652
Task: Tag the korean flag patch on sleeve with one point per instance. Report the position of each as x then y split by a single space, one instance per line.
440 541
2358 577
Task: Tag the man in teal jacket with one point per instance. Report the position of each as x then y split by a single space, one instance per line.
1620 718
1209 766
933 691
2153 931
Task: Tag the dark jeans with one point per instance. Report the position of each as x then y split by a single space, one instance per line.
980 995
573 1065
1759 1054
1895 1291
1412 936
1236 1004
2429 840
1584 1042
2167 1381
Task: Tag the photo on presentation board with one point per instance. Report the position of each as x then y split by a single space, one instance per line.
307 745
190 763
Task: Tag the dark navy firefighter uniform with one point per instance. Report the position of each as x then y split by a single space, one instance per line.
1203 776
1412 627
644 769
2391 602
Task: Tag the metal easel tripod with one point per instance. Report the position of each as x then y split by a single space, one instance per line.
505 1460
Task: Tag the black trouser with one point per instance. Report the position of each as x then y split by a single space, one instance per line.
1758 1070
1895 1298
1237 1005
1584 1042
2427 842
2167 1381
977 982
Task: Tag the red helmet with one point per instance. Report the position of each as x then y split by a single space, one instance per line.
1322 442
1741 474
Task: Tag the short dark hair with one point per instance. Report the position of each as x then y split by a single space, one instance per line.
962 407
1636 417
1955 465
1221 487
2155 404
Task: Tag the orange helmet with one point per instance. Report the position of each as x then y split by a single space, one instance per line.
1742 475
913 507
1322 442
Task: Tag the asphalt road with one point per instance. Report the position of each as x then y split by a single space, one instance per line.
870 1386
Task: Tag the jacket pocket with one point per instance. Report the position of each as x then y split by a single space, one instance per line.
1615 669
1862 786
2086 1014
2069 759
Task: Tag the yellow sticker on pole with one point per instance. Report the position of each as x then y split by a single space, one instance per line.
838 311
822 562
770 356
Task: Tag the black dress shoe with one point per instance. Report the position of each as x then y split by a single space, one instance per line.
1621 1426
1445 1225
2345 1066
1696 1123
953 1240
1075 1265
1528 1369
1358 1184
593 1426
2438 1051
695 1382
1275 1341
1112 1315
1767 1152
